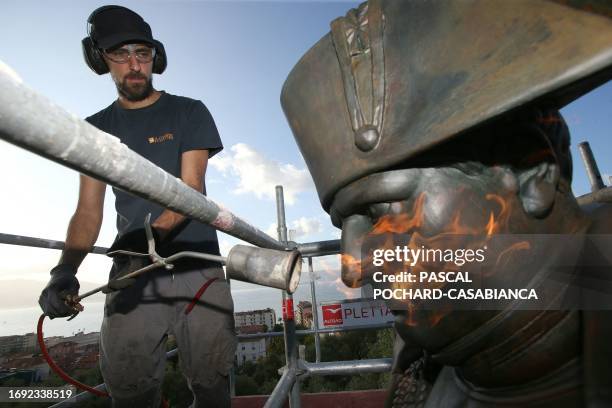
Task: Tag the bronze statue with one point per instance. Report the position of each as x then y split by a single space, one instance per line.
408 111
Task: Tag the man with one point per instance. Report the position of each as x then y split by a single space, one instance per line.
179 135
446 117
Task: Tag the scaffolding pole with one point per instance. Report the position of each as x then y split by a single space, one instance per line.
352 367
21 240
315 312
291 347
319 248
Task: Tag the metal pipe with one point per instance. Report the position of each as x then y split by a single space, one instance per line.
319 248
284 385
377 326
21 240
32 122
315 312
281 226
591 166
345 329
291 347
232 382
379 365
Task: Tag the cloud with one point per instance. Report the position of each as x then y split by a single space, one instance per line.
301 227
259 175
305 226
607 179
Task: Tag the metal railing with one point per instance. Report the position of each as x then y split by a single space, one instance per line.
34 123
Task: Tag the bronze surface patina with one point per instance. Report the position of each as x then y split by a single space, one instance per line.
433 118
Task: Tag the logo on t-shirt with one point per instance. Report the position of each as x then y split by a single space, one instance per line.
160 139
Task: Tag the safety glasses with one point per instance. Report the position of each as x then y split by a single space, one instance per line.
142 53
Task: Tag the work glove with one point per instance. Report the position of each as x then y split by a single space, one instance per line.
56 298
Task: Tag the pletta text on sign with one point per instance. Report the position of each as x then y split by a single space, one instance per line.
354 312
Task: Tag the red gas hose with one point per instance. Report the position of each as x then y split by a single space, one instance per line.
57 369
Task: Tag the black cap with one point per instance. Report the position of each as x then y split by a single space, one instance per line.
112 26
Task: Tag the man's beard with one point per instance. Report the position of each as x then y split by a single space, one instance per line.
137 91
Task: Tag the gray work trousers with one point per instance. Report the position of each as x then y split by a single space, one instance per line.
138 319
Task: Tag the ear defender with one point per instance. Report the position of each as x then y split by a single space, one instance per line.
93 57
160 62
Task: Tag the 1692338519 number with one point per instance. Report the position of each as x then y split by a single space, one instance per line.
36 394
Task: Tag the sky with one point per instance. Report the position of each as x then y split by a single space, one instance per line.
232 55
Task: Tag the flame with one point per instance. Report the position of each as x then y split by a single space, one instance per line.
403 222
458 233
493 227
351 269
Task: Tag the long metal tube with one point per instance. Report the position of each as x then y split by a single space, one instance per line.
379 365
377 326
34 123
315 312
591 166
319 248
291 346
21 240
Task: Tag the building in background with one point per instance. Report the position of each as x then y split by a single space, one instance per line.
303 315
20 354
18 343
256 317
253 348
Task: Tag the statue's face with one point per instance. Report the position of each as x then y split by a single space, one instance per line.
462 198
452 205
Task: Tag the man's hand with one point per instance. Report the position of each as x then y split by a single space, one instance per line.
56 299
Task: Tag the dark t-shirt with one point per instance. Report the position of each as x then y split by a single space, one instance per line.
161 132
